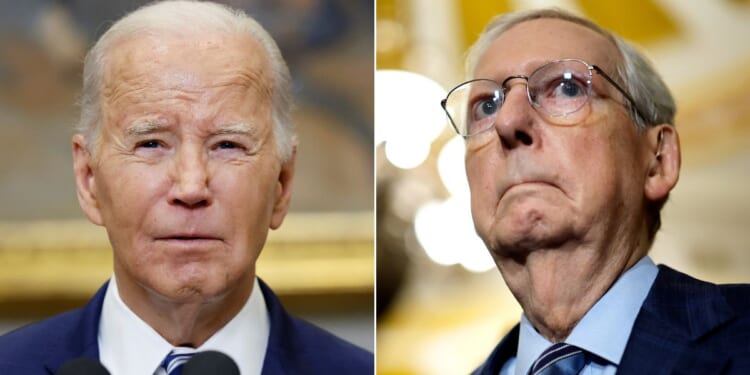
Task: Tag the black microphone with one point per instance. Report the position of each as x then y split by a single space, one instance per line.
82 366
210 363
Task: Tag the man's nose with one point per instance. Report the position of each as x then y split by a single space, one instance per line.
190 179
515 121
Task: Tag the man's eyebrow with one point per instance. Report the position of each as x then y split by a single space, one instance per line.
239 128
145 128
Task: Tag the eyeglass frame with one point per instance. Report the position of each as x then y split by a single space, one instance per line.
591 68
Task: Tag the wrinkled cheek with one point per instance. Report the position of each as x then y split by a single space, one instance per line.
119 199
237 267
130 264
480 142
482 208
476 213
474 173
476 188
136 257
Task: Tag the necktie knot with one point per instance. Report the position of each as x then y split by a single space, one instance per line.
172 364
559 359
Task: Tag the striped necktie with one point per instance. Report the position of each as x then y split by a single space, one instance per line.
172 364
559 359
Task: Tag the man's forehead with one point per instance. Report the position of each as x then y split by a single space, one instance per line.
533 42
176 78
214 53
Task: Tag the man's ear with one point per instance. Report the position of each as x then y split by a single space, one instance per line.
85 180
664 161
283 190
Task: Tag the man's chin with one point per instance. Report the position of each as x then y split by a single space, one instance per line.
186 290
518 241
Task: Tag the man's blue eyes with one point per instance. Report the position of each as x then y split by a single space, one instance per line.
570 88
488 107
224 145
564 89
150 144
227 145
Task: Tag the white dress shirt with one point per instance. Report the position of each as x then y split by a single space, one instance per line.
129 346
604 330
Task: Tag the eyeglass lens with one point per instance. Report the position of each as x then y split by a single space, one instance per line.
556 89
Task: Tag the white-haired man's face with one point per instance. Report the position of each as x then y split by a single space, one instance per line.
538 185
186 178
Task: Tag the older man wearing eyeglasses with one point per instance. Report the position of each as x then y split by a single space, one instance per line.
571 153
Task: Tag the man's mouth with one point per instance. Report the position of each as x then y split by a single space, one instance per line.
526 183
188 237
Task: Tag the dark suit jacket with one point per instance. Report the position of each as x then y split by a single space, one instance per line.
685 326
294 346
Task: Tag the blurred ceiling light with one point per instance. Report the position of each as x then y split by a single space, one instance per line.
406 154
451 168
407 108
435 232
445 231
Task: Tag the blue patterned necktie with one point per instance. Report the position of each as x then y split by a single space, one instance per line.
559 359
172 364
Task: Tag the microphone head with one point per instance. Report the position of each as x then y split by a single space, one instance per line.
210 363
82 366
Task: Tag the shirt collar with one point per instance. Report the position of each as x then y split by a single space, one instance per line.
530 345
604 330
127 345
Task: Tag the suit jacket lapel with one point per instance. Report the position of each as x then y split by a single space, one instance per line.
505 350
80 339
280 353
677 312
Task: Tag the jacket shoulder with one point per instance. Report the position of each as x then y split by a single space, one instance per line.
737 331
738 296
686 323
44 346
328 352
26 349
299 347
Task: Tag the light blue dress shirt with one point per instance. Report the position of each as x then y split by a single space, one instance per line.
603 331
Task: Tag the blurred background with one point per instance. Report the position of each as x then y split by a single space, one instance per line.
442 305
320 262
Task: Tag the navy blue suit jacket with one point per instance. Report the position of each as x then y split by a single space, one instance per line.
685 326
294 346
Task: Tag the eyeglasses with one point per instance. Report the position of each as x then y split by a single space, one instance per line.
558 90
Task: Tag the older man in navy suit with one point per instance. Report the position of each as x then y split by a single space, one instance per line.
571 151
185 154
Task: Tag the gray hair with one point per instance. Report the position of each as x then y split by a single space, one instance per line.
654 104
177 16
639 78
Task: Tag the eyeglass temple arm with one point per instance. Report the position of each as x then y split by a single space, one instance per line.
443 103
622 91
